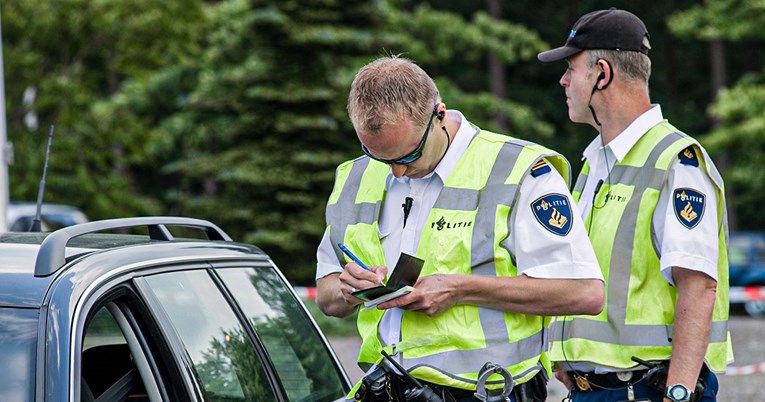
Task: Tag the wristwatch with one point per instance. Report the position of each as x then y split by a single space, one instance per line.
678 393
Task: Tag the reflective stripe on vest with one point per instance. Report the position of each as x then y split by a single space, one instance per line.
463 234
640 308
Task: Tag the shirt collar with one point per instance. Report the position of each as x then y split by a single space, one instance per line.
624 142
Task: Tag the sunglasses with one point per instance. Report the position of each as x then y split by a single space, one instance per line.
414 155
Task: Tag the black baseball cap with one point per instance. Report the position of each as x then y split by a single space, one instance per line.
604 29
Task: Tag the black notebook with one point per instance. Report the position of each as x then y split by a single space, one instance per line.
402 279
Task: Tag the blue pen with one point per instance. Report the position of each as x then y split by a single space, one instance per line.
352 256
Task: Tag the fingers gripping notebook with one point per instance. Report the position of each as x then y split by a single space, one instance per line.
401 282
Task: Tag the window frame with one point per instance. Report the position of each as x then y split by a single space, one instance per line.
165 377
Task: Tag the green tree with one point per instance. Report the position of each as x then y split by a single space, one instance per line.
456 51
234 110
74 54
249 133
254 145
738 137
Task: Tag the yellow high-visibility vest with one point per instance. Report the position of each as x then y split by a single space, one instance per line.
640 304
464 234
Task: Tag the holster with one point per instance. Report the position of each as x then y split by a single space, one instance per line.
656 378
534 390
380 386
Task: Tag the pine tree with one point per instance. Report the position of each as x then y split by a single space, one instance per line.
264 125
736 139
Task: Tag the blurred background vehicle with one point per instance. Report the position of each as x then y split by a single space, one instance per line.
53 216
746 257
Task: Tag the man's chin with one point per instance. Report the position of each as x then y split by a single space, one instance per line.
575 118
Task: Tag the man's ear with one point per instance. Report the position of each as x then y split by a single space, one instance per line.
606 75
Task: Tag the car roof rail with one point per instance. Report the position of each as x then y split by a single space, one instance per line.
52 254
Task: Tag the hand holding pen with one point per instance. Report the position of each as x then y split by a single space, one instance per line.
356 259
352 256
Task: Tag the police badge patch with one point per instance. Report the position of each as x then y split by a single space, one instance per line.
689 206
688 157
553 211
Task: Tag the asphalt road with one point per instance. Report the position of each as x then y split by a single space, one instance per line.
748 349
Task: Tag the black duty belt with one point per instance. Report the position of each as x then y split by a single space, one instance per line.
589 381
527 389
593 382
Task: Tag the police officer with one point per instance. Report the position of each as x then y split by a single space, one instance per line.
492 218
655 205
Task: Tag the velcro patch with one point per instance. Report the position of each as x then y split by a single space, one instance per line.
688 157
540 168
689 206
553 211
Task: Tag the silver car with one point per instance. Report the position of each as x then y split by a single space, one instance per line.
161 315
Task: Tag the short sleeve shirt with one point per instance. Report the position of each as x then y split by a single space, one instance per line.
538 251
694 248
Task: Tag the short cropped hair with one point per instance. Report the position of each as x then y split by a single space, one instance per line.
633 67
389 90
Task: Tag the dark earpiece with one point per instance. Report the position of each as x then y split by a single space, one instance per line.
439 115
603 75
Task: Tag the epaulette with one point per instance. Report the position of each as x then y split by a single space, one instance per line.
688 157
540 168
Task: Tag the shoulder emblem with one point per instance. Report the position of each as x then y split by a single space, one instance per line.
689 206
553 211
688 157
540 168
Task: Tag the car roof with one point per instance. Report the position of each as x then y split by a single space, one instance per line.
24 284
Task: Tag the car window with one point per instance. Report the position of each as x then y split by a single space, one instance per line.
58 221
24 223
18 337
759 249
738 250
305 367
110 370
224 358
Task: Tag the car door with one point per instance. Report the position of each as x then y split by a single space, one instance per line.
244 334
167 334
304 363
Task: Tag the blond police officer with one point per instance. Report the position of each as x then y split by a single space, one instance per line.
492 218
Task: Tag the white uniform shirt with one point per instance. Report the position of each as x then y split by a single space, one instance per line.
679 246
694 249
538 252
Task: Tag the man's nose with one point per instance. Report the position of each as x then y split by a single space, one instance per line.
564 80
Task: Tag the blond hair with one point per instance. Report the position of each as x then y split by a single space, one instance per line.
389 90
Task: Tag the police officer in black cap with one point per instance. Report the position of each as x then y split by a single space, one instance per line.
655 208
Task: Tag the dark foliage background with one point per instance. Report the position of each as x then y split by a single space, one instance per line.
234 110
